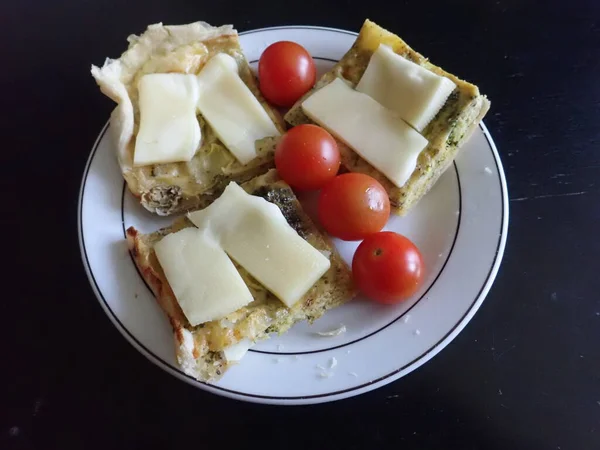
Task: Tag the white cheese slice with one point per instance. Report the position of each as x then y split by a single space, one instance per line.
233 112
255 233
203 278
236 351
373 131
417 94
169 130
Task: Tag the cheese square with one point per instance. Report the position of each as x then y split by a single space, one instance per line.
169 131
414 92
205 282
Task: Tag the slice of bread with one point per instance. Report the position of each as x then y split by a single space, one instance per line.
199 350
175 187
446 133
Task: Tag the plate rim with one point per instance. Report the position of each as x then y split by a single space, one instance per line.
330 396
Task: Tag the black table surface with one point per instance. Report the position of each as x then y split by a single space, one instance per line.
524 374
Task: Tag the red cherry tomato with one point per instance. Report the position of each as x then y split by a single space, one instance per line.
387 267
353 206
286 72
307 157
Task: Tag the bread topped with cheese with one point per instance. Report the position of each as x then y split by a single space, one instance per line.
444 130
175 186
207 350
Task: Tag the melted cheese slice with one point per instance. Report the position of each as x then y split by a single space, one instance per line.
374 132
169 130
414 92
233 112
257 236
204 280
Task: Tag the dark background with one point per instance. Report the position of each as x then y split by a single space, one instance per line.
524 374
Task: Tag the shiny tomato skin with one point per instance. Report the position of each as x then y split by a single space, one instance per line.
387 267
307 157
286 72
353 206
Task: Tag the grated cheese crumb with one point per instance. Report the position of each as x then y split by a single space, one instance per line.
417 332
326 253
488 170
406 318
325 374
347 352
336 332
320 367
353 374
332 362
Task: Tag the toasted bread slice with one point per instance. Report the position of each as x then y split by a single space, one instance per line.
446 133
175 187
199 349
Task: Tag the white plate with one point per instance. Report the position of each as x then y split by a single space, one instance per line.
460 227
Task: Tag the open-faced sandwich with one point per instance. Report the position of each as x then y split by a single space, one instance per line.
397 117
194 134
285 271
174 72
